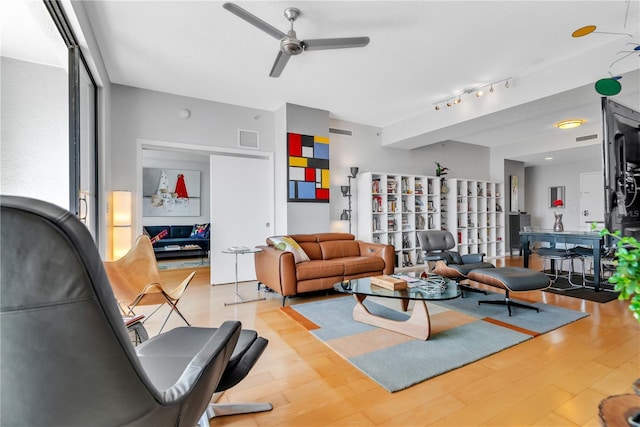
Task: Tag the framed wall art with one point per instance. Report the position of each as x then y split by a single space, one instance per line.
170 192
307 168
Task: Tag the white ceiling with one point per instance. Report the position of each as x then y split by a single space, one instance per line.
421 52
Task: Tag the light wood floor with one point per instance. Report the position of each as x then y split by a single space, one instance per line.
556 379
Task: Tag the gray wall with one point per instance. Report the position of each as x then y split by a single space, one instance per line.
364 150
34 154
138 113
540 178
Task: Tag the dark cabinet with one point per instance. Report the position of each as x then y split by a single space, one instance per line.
517 222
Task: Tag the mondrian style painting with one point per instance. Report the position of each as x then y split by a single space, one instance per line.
308 168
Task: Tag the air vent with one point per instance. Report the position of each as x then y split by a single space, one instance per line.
587 137
248 139
340 131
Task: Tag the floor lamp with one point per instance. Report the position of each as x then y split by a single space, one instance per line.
346 192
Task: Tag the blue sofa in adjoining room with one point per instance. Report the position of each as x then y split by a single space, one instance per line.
181 235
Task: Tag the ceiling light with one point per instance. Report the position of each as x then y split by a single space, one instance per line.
569 124
478 90
548 158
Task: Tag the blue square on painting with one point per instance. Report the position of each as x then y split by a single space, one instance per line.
306 190
292 189
321 151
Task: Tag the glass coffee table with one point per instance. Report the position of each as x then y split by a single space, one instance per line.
418 325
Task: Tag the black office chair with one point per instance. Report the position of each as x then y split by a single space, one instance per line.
67 358
436 246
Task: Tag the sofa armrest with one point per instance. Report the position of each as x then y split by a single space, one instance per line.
276 269
386 252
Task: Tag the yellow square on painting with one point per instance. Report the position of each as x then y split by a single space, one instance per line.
298 161
321 139
325 178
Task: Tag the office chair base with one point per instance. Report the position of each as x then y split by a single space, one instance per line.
225 409
471 289
509 304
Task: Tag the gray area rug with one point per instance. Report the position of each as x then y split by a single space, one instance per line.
173 265
396 362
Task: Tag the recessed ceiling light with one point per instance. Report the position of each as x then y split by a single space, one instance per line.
548 158
570 124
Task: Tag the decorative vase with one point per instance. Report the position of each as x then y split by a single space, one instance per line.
557 226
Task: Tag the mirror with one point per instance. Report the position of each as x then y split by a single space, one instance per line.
556 193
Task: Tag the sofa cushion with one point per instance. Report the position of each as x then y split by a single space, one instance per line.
361 264
200 231
316 269
339 249
286 243
180 231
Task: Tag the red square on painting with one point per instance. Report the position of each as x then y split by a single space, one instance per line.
295 144
310 174
322 193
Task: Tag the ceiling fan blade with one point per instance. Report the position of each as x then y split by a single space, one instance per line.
278 66
340 43
254 20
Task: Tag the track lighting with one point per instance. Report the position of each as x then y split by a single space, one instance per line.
477 90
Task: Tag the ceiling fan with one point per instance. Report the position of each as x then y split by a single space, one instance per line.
289 43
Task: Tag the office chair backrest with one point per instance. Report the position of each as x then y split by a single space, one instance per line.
66 354
436 245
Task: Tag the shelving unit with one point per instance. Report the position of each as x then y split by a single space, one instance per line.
392 207
475 216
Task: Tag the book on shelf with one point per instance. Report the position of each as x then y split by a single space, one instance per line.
172 248
375 186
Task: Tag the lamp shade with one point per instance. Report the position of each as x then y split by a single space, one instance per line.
354 172
121 241
345 190
121 205
344 216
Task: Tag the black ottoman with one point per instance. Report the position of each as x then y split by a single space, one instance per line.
510 279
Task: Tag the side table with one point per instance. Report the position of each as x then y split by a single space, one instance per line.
241 251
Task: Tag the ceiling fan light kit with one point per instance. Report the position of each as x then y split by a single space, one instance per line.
290 45
477 90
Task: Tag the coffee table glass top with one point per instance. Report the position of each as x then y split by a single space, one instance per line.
432 288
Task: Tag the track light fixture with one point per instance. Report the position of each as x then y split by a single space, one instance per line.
477 90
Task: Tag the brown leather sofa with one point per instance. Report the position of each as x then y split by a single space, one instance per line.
333 257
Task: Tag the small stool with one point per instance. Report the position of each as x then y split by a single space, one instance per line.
511 279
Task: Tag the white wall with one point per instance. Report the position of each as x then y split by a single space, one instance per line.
34 154
540 178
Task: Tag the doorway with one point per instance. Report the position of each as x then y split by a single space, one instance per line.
241 200
591 200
